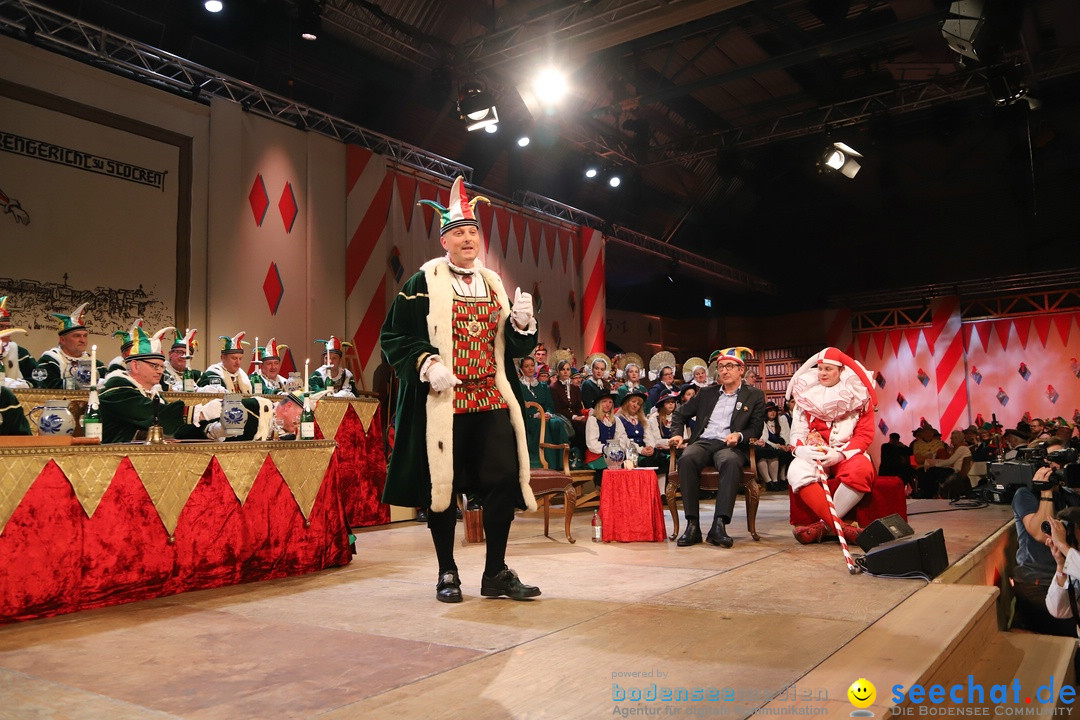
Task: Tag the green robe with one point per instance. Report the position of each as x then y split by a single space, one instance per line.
126 413
421 470
558 429
27 365
258 379
12 418
319 381
54 374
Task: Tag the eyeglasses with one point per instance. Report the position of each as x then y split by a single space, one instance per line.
156 366
727 366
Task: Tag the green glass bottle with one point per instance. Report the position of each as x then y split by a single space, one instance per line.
307 421
188 379
92 417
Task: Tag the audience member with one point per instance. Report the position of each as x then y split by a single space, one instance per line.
226 376
773 450
180 354
597 383
634 424
12 418
896 462
1061 594
599 431
559 429
19 364
935 473
664 385
332 377
267 379
59 368
927 445
632 382
566 398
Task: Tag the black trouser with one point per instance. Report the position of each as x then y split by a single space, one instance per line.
728 461
1031 612
485 464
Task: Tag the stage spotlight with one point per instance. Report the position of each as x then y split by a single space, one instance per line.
842 158
523 141
308 19
214 6
477 106
491 129
614 181
963 27
550 87
591 172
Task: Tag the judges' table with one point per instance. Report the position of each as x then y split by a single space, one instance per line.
354 423
85 527
630 509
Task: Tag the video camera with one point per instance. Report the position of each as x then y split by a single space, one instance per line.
1070 537
1006 477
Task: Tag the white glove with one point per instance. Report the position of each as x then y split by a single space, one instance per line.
13 384
210 410
522 311
215 431
809 452
212 389
832 457
344 393
441 377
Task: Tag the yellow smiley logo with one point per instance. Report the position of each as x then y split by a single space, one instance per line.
862 693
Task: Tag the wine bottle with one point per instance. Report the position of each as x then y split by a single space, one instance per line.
307 421
256 385
597 529
188 379
91 419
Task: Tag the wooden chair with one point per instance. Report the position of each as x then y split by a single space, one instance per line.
545 482
710 480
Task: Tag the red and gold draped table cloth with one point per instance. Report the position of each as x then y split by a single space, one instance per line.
353 423
90 526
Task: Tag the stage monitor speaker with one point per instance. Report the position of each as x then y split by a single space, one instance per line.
882 530
909 556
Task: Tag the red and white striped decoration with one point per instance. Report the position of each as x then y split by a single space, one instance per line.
945 340
594 297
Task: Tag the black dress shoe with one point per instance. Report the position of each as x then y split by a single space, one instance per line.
421 515
718 534
691 535
507 583
449 588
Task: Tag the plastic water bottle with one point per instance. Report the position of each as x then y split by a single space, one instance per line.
597 529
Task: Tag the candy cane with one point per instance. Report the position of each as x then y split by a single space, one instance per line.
823 477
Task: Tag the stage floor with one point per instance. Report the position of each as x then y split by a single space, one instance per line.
370 640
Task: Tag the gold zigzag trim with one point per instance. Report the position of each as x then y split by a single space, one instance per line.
329 414
170 484
17 474
90 476
241 469
365 410
303 472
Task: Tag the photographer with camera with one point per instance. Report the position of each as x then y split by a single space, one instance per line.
1035 564
1063 542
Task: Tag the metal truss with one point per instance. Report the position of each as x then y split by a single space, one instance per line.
102 48
1015 295
616 233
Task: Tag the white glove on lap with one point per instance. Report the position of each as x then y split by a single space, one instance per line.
208 411
344 393
212 389
441 377
215 431
522 311
13 384
832 457
809 452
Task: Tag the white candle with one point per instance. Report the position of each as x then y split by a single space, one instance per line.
93 366
306 361
256 352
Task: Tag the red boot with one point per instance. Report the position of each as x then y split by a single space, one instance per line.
851 532
809 534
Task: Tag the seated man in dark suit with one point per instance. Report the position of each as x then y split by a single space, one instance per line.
728 416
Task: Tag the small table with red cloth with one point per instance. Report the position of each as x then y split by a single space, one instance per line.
86 527
630 509
887 498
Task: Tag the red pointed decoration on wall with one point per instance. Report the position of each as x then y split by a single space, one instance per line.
356 160
983 330
406 187
1001 327
273 289
427 191
879 343
895 336
517 220
863 339
549 244
912 337
502 219
564 247
967 329
1064 327
536 237
287 207
1023 328
1042 328
486 215
258 200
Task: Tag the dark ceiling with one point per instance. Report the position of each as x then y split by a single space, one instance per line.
716 113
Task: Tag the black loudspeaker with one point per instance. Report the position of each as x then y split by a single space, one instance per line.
909 556
890 527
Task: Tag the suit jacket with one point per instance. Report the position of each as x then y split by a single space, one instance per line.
748 417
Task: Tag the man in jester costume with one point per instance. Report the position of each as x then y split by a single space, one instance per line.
451 335
831 429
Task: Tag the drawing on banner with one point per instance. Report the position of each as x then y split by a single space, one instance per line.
109 307
976 375
1024 372
1002 396
11 207
923 377
901 401
1052 394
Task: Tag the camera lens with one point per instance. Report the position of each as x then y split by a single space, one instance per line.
1045 527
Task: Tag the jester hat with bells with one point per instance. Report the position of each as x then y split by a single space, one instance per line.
146 347
5 314
127 339
234 344
186 341
738 354
460 210
333 345
72 321
854 390
272 350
